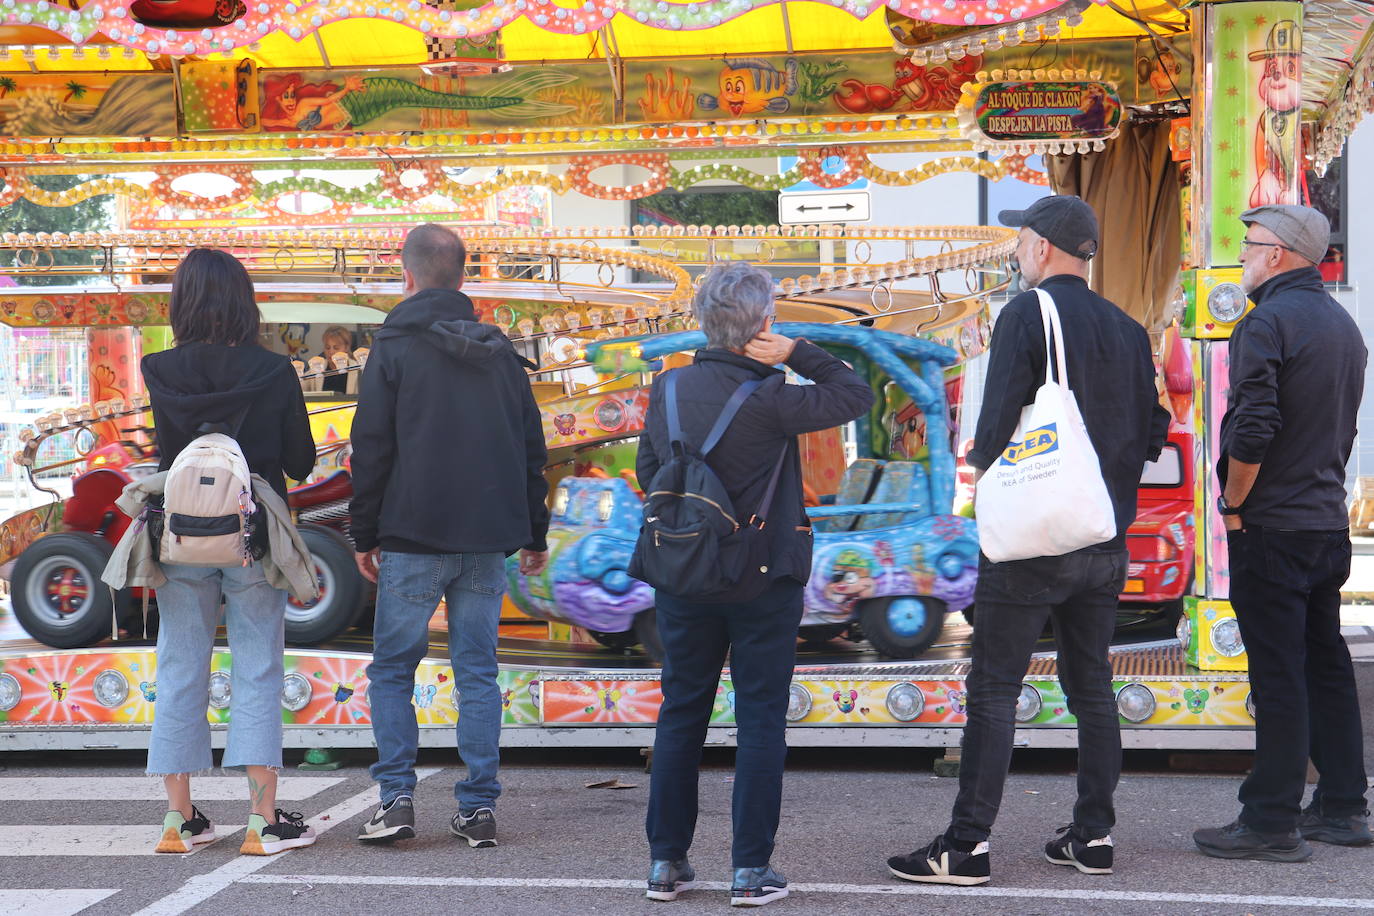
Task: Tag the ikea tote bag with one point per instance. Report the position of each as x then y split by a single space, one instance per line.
1044 496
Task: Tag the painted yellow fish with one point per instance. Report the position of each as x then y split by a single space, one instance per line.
752 84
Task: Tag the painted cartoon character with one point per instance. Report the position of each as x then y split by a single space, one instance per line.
851 580
908 428
749 85
1094 110
186 13
1164 74
342 693
424 695
846 701
606 699
1280 88
293 335
291 102
149 690
934 88
957 702
1196 700
565 423
58 689
507 697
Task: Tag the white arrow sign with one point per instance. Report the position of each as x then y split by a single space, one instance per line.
823 207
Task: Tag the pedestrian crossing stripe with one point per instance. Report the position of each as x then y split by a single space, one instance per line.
150 788
89 840
49 901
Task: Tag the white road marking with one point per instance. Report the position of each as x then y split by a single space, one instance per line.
49 901
148 788
900 890
202 887
90 840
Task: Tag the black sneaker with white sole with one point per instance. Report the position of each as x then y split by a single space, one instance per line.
757 886
478 828
1090 856
942 863
668 878
390 822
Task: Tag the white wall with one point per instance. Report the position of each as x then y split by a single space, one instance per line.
1358 297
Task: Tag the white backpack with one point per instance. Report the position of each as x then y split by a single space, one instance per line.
208 502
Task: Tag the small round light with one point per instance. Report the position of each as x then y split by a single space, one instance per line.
1226 302
1135 702
1250 705
219 690
798 702
1226 637
1028 704
905 701
10 692
296 692
111 688
1184 631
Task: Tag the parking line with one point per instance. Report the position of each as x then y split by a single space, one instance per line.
202 887
50 901
898 890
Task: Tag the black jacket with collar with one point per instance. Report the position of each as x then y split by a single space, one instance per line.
1297 374
448 443
771 419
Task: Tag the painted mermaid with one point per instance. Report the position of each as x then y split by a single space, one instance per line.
292 103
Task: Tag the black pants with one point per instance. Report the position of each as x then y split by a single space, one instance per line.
761 637
1286 591
1013 600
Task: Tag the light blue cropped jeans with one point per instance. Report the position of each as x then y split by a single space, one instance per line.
189 607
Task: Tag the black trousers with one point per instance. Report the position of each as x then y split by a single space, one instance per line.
1286 591
1014 599
761 639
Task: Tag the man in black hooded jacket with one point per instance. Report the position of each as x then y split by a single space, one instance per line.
448 480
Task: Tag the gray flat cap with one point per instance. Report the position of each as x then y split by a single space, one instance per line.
1306 231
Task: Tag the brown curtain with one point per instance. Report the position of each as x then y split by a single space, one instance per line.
1133 185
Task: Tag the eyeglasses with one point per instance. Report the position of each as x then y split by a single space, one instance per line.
1246 243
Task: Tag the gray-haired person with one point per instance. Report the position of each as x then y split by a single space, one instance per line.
734 306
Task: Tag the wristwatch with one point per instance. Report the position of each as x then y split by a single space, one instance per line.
1225 508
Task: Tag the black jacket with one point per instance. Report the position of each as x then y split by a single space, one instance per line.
199 383
773 416
1297 374
1111 372
448 443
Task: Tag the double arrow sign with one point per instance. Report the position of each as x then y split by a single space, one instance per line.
823 207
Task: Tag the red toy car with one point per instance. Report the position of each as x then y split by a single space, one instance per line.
1161 538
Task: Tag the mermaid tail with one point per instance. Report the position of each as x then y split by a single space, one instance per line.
387 93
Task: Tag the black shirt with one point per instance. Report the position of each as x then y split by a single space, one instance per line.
1297 374
197 383
1111 372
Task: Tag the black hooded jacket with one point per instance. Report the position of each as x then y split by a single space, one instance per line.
197 383
448 443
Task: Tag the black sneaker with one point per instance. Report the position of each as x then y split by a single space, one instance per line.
941 863
668 878
1091 857
757 886
1351 830
479 828
1237 841
390 822
264 839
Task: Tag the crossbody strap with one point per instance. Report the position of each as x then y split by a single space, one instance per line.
727 413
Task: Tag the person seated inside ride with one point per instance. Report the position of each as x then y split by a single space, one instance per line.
336 340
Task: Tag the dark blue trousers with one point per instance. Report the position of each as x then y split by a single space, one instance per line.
761 639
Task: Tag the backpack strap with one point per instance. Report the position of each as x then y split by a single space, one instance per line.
761 516
727 414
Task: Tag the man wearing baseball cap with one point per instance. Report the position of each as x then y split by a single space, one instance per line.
1297 373
1112 374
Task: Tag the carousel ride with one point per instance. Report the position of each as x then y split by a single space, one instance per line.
303 136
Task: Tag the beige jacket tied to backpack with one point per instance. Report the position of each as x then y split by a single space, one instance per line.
287 564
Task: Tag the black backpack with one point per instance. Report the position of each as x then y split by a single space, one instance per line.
693 543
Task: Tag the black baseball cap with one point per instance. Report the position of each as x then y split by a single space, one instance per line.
1065 221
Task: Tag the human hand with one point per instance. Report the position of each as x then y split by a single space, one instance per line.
1233 522
532 562
355 84
368 563
769 348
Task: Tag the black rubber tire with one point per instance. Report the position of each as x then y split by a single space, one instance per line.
878 630
338 609
821 633
646 632
969 613
618 641
85 556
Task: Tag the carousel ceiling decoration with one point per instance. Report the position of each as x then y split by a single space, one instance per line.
1338 71
202 27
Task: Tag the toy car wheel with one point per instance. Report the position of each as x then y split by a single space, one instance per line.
822 633
341 590
624 640
58 596
969 613
902 626
646 632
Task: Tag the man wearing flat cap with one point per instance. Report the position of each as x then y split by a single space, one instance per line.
1112 375
1297 373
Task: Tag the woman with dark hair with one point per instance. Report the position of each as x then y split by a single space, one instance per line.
218 374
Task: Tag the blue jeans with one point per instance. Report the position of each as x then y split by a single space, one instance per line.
189 608
408 592
761 638
1014 600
